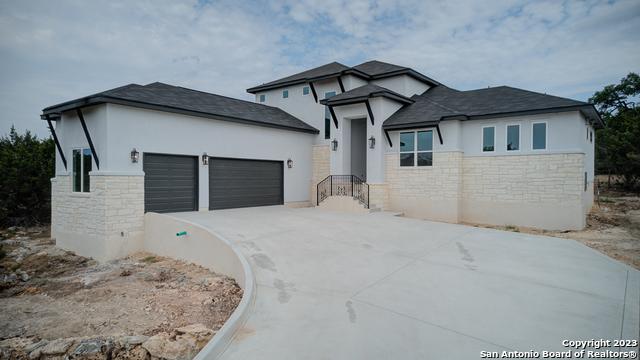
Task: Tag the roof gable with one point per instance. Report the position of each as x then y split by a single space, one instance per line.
329 69
368 70
364 92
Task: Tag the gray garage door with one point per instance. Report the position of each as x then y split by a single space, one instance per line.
170 183
235 183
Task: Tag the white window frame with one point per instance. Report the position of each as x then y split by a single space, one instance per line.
415 150
506 137
262 98
546 135
82 149
285 91
308 90
482 139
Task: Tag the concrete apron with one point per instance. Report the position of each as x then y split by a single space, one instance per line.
360 286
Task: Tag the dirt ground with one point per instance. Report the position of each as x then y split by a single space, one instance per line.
49 293
613 227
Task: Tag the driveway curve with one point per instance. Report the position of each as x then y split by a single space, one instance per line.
375 286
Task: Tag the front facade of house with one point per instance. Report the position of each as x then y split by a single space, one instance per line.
375 136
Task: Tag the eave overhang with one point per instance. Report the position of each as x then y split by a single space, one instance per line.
54 112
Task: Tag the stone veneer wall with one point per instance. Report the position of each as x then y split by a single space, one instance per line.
378 196
106 223
321 158
432 192
542 190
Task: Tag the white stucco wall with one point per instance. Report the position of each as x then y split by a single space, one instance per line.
381 108
161 132
564 133
402 84
71 136
302 106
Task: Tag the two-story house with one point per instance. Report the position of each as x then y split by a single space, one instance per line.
375 136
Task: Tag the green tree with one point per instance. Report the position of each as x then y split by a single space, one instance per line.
27 165
618 144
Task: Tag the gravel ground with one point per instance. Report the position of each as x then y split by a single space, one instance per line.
48 293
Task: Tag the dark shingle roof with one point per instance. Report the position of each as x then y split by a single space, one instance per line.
375 67
442 102
364 92
368 70
333 68
164 97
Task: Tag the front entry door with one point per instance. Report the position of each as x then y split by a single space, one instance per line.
359 148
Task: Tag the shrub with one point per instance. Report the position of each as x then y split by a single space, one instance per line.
27 165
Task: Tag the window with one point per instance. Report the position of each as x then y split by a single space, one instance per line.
513 137
263 97
591 136
416 148
285 94
488 138
81 169
585 181
327 116
539 136
305 90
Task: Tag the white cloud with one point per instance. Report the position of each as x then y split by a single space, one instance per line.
56 51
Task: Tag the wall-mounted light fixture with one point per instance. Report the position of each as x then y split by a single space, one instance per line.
135 155
289 163
372 142
334 144
205 159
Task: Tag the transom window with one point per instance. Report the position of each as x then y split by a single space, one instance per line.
416 148
81 169
539 136
263 97
327 116
285 94
513 137
305 90
488 139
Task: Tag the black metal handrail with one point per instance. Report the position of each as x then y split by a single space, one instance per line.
343 185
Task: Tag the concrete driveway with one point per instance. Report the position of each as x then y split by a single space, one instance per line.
348 286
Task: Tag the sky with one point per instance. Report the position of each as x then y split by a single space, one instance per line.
54 51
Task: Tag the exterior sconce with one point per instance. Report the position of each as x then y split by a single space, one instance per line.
289 163
372 142
135 155
205 159
334 144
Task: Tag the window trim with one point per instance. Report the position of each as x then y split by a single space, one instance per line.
262 98
308 90
73 191
285 91
506 137
415 150
546 135
482 139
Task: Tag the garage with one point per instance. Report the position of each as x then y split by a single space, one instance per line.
170 183
237 183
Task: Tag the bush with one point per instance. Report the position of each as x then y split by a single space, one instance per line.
27 165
